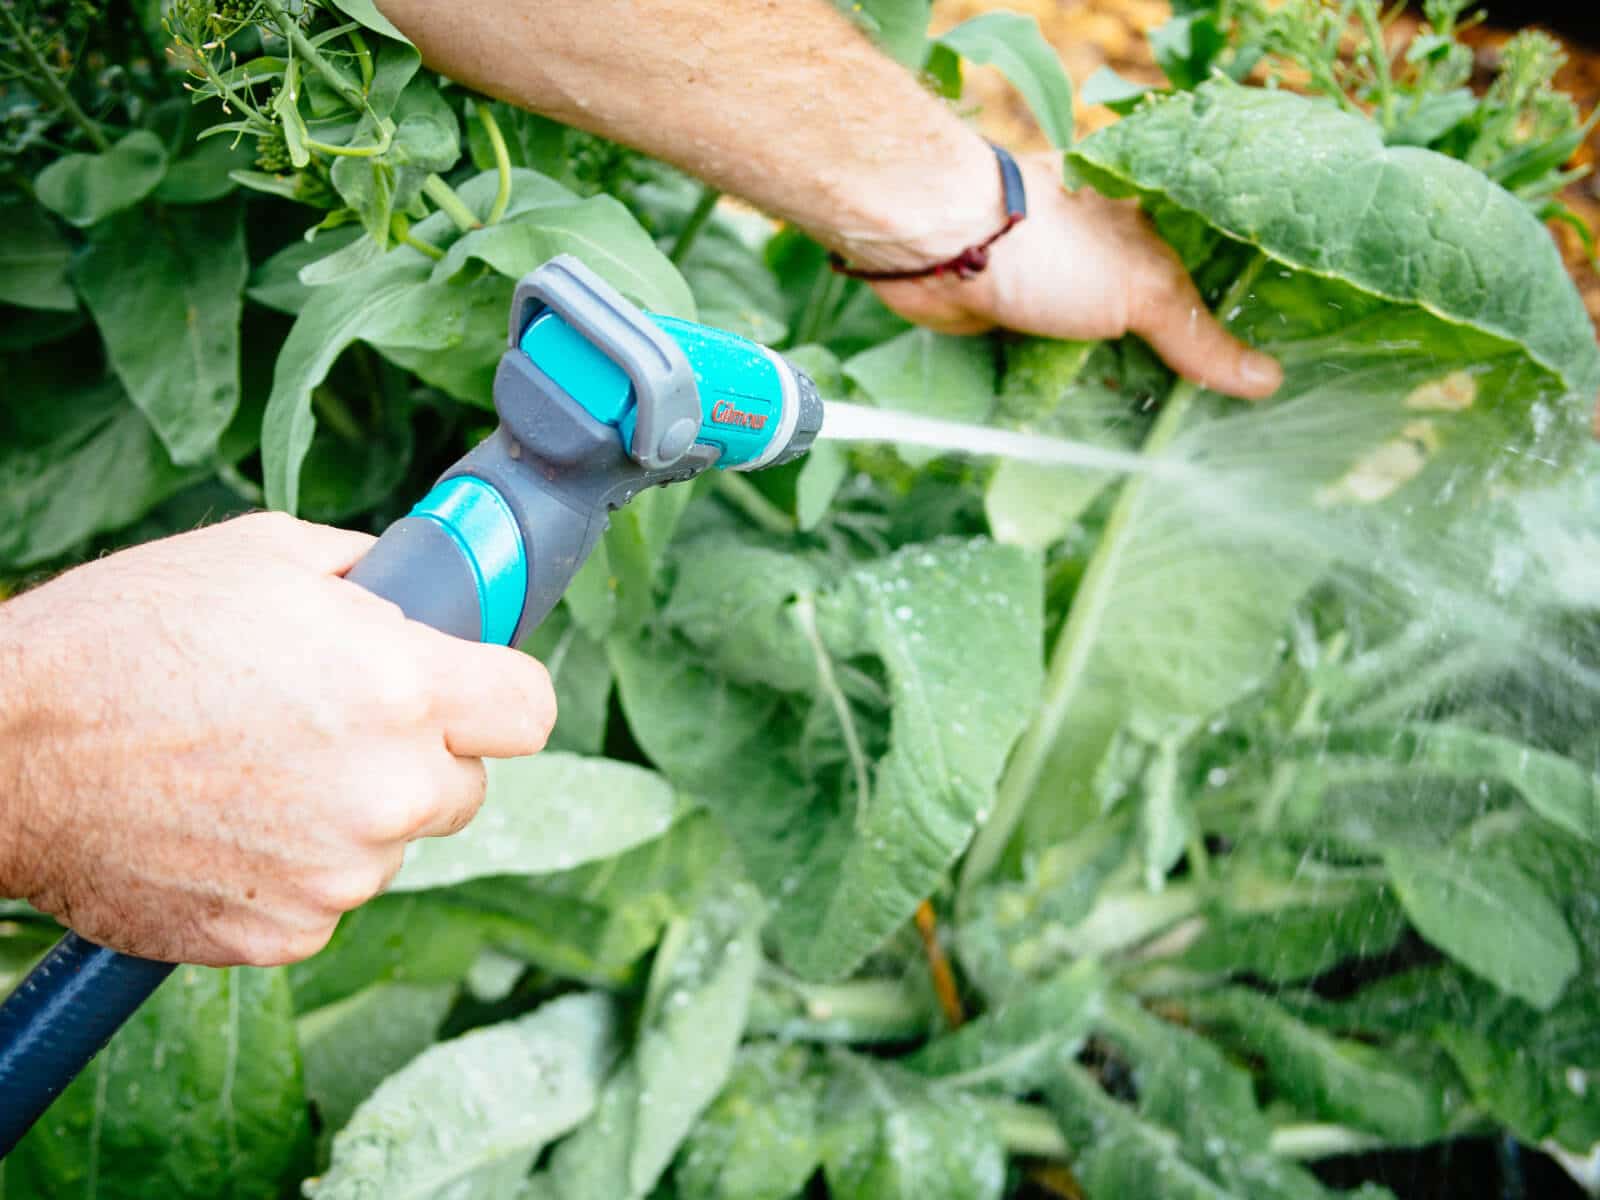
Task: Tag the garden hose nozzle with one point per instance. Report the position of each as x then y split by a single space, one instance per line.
597 401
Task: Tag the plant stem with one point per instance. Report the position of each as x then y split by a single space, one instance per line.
1312 1141
296 37
865 1010
805 616
449 203
1028 1130
747 498
1075 646
426 248
1378 48
44 83
944 979
502 163
698 216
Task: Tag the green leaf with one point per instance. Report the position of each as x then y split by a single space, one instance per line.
206 172
408 939
74 461
547 812
1490 916
1274 920
33 259
1022 1042
600 231
1106 87
1555 787
826 468
595 922
1329 1078
351 1046
85 188
469 1116
166 290
1449 223
931 374
759 1139
199 1094
1013 43
900 27
276 283
694 1015
890 1135
1186 47
581 674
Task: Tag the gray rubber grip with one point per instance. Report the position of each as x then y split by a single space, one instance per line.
418 565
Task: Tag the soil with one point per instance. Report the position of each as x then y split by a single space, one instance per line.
1090 34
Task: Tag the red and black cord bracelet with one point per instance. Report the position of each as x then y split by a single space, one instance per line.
975 257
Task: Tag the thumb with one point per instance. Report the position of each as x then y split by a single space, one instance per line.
1173 318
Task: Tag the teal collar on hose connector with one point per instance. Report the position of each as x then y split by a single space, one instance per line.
742 396
484 529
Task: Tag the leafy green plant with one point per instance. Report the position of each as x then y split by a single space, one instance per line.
1255 795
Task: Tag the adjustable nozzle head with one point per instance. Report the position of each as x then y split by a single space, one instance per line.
676 392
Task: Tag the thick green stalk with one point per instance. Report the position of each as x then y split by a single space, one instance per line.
296 37
1028 1130
449 203
1074 648
697 221
502 163
862 1011
44 83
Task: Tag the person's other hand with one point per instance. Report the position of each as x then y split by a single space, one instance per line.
212 746
1081 266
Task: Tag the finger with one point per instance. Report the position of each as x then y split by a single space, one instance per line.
492 701
459 786
1170 315
322 548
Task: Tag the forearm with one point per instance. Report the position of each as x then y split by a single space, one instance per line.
784 104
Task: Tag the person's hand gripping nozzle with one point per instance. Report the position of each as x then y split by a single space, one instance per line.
597 401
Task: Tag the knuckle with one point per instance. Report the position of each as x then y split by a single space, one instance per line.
342 890
270 524
399 691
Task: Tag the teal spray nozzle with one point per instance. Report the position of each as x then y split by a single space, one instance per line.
597 401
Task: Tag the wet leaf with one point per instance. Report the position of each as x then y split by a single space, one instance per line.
547 812
694 1014
1490 916
470 1115
199 1095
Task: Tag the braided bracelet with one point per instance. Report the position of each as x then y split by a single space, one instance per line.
975 257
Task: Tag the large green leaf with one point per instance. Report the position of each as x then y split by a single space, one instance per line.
891 1135
85 188
1329 1078
1021 1042
597 921
198 1095
600 231
759 1139
547 812
1013 43
351 1046
931 374
581 675
74 461
694 1016
469 1116
843 876
1490 916
166 291
33 259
